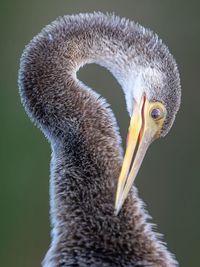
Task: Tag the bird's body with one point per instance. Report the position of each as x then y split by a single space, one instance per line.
86 149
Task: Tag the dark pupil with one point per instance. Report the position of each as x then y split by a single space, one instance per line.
155 113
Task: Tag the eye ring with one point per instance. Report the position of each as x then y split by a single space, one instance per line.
156 113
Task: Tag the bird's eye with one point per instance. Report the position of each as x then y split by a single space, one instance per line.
156 113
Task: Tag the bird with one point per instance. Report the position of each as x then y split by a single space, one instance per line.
97 217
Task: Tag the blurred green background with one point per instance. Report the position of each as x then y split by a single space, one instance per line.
169 180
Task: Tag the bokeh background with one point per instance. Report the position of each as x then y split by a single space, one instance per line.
169 180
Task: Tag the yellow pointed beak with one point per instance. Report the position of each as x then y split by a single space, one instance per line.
143 130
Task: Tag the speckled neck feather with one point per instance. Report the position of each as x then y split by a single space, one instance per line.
86 150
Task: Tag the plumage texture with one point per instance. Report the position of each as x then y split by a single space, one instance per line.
82 130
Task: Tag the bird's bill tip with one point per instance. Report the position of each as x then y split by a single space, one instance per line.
142 131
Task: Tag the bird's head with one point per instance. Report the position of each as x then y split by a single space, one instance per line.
153 99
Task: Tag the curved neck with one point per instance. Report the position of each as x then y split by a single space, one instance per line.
86 156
